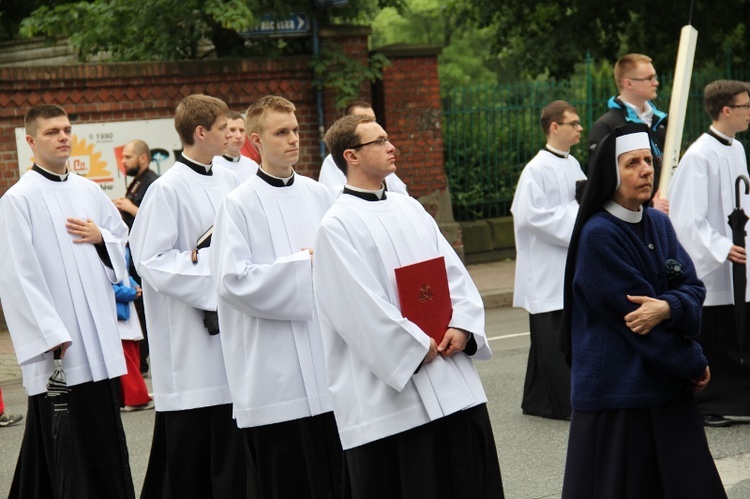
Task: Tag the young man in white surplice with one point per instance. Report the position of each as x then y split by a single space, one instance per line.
411 412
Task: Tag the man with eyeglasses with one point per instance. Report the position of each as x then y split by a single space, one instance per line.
410 410
544 212
334 179
637 86
703 195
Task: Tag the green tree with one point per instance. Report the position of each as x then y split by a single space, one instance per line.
124 30
551 36
12 12
466 56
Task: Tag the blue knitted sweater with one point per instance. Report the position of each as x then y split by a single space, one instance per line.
612 366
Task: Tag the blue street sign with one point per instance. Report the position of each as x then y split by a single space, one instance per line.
294 24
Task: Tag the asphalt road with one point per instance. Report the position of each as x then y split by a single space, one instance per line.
531 449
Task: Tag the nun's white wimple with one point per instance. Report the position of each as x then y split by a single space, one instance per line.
632 142
627 143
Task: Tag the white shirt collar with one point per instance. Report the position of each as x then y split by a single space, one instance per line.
62 177
624 214
206 166
722 135
564 154
647 114
286 180
379 193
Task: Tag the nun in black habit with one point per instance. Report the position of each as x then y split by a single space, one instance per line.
632 308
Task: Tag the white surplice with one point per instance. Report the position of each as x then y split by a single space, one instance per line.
701 197
187 366
372 352
332 177
270 334
544 213
55 291
244 167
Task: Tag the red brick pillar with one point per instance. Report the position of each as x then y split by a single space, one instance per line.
407 101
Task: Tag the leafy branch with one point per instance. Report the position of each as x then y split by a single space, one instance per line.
335 70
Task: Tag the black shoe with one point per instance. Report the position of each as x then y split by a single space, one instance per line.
715 421
9 419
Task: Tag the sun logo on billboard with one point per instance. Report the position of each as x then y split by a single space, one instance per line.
84 161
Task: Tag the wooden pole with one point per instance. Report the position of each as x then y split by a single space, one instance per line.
678 106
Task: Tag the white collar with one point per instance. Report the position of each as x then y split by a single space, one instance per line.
722 135
564 154
286 180
62 177
624 214
206 166
646 114
379 193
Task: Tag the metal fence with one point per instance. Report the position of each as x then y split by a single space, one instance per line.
491 132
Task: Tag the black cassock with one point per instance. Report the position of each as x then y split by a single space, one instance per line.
727 393
546 390
99 449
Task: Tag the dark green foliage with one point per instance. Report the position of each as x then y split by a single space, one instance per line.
334 69
126 30
552 36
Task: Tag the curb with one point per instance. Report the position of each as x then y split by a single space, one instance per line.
497 299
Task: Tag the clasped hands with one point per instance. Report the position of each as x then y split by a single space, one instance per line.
646 317
650 313
454 341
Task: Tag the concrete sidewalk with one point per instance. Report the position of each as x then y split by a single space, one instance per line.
494 281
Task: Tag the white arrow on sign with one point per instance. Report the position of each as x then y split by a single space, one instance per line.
301 21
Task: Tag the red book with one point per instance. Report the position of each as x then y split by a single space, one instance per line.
425 296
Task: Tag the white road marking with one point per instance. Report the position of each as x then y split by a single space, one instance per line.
508 336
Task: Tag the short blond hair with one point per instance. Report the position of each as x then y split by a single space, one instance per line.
626 64
255 117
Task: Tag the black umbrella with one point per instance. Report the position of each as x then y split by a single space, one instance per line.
66 484
737 221
58 394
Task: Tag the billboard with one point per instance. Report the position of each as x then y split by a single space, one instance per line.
96 150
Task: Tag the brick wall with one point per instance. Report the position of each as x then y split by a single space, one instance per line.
414 124
409 98
130 91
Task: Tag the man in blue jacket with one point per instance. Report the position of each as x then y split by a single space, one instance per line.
637 85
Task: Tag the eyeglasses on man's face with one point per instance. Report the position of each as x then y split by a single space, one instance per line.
745 106
572 124
380 141
650 79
